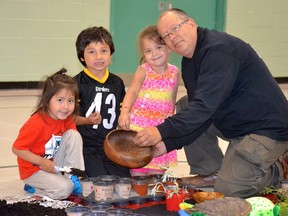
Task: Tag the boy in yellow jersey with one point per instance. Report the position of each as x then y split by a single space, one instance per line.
101 94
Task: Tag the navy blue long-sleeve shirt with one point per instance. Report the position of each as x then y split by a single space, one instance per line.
228 85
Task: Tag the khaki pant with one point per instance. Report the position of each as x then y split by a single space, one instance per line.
203 155
70 153
250 164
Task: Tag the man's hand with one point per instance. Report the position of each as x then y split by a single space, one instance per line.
149 136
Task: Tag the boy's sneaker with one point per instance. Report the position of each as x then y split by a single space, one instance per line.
29 188
77 185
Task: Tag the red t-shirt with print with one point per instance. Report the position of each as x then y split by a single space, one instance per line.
34 135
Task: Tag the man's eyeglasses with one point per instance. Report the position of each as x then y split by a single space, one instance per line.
173 30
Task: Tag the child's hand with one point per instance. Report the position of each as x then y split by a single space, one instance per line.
124 121
94 118
47 165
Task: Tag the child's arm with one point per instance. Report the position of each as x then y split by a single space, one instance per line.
174 96
159 149
93 118
130 97
45 164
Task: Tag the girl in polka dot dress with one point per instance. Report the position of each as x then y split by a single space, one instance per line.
151 96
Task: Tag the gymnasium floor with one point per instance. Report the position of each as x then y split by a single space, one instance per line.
15 108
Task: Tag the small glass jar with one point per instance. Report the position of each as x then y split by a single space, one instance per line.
112 178
77 210
103 190
140 187
118 212
123 188
101 207
87 186
95 214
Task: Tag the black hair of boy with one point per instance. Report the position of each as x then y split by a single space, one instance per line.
93 35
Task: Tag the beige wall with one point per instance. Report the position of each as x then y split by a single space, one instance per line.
263 24
37 37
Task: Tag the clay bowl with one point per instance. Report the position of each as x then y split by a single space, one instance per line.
204 196
120 148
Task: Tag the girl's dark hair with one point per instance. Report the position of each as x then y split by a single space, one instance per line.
54 84
150 33
90 35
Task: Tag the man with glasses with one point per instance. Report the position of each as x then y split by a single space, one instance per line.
231 94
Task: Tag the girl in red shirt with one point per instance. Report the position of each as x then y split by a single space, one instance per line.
49 138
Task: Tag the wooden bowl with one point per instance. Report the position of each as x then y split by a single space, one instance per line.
204 196
120 148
